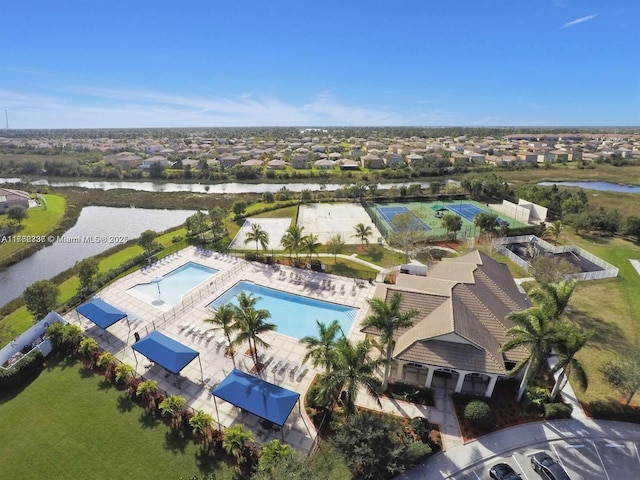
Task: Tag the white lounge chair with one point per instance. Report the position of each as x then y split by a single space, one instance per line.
302 374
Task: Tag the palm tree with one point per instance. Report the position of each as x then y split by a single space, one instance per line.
272 452
88 348
363 232
387 318
225 319
310 244
124 372
292 240
554 297
107 361
252 323
202 425
554 229
351 369
173 406
320 348
235 441
258 235
570 342
335 246
147 391
535 331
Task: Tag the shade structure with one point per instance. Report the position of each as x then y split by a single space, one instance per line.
439 208
264 399
100 312
165 351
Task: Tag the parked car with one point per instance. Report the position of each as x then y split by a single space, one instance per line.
547 467
502 471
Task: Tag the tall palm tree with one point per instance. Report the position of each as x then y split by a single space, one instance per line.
388 318
251 324
225 320
554 297
235 441
258 235
292 241
147 390
363 232
173 406
568 345
535 331
310 244
351 369
320 348
554 229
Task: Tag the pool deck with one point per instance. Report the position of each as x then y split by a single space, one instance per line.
185 323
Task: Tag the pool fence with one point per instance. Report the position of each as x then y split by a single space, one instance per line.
607 270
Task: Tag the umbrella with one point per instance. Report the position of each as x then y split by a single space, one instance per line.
157 281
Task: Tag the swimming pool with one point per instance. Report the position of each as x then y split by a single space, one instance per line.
174 285
294 315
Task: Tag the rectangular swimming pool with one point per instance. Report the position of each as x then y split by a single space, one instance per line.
170 289
294 315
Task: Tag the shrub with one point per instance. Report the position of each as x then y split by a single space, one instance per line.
557 410
479 414
176 239
421 427
23 370
611 410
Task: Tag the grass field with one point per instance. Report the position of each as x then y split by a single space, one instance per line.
68 424
611 308
40 221
625 175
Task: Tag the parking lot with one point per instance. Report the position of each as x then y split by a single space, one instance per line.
599 459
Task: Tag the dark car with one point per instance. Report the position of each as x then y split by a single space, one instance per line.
502 471
547 467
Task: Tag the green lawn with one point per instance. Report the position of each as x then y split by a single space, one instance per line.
68 424
611 308
376 254
40 221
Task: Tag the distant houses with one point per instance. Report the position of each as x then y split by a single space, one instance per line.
10 198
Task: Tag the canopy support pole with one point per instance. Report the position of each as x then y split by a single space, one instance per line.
217 413
201 372
136 357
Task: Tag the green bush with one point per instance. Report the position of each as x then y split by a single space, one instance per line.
26 368
557 410
612 410
421 427
479 414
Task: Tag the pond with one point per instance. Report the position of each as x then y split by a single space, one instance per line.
600 186
97 230
203 188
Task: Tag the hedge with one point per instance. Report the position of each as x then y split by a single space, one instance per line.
557 410
23 370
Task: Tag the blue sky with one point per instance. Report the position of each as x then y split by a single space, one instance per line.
87 63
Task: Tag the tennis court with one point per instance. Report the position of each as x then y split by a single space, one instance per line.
388 213
467 211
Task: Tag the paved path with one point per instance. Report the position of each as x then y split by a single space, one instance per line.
453 462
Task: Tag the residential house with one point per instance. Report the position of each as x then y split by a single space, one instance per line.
324 164
348 164
393 159
299 161
155 160
227 161
276 165
10 198
371 161
461 324
124 160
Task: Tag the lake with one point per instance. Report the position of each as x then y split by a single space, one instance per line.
97 230
204 188
599 186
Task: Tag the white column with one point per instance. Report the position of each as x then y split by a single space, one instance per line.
399 371
492 383
461 376
430 371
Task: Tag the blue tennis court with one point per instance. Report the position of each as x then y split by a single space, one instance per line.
388 213
467 211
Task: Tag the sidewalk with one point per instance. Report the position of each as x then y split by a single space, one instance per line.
447 464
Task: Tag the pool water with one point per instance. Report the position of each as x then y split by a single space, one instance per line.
174 284
294 315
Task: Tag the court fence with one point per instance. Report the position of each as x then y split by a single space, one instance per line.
607 270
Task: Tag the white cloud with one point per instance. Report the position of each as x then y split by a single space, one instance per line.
103 108
579 20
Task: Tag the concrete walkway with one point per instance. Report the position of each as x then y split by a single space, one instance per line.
502 443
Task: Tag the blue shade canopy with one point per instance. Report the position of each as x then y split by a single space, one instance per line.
100 313
165 351
257 396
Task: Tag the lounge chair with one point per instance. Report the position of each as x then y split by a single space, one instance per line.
209 335
293 370
276 365
283 368
302 374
